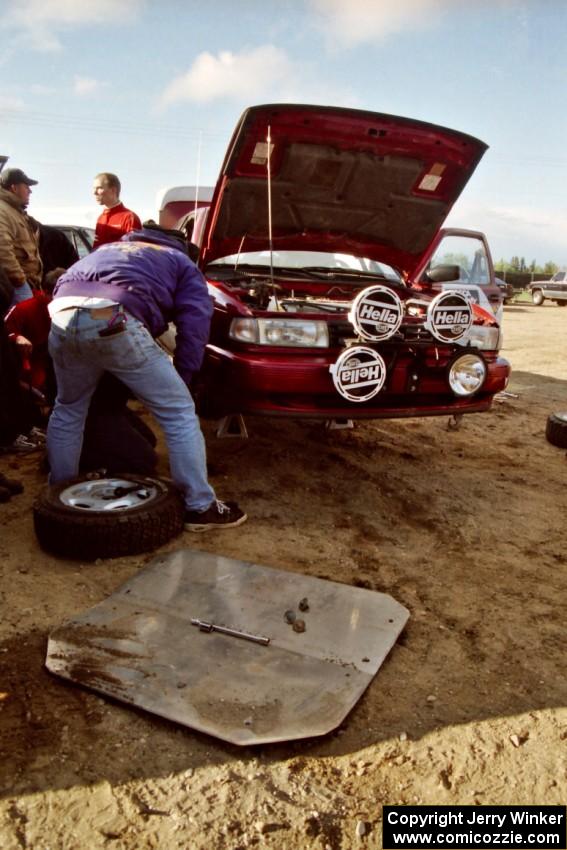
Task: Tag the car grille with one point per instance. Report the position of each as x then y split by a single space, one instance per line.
410 334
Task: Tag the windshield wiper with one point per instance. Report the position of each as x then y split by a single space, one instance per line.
328 271
255 270
247 270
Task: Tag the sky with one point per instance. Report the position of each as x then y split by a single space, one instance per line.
152 91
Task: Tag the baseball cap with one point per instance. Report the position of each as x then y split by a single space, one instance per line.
12 176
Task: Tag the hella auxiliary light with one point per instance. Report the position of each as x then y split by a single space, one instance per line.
376 313
302 333
359 373
467 374
450 316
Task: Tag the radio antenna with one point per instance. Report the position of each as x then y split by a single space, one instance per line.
270 236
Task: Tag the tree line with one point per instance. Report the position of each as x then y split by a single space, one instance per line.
518 264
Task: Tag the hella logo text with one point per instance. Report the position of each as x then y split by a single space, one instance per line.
361 373
447 316
373 314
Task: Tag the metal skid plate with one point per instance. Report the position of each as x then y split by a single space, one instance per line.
139 646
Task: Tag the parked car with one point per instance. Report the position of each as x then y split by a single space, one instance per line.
55 249
335 292
555 289
506 289
81 238
175 202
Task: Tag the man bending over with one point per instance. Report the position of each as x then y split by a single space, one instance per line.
105 313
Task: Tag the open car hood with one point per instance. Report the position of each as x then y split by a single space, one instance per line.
342 181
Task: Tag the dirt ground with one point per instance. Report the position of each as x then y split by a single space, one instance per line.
465 528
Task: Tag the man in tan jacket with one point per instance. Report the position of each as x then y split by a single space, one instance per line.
19 239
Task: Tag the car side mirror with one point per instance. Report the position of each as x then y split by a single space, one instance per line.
441 274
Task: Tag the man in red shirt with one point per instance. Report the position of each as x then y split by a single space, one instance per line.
116 220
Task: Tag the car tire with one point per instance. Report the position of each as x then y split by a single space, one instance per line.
107 517
537 297
556 430
561 303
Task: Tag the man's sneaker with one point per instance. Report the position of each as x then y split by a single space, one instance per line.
21 445
37 435
219 515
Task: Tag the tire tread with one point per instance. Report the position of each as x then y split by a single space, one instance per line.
556 431
71 533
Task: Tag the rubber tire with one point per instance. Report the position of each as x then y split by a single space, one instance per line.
561 303
73 533
537 297
556 430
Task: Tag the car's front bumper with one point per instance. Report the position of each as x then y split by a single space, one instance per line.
300 384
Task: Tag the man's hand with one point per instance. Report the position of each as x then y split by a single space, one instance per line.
24 345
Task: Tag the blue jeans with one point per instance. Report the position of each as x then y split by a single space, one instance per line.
80 356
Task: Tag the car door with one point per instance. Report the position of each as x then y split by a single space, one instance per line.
557 286
468 251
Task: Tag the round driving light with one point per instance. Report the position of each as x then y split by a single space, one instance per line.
359 373
450 316
467 374
376 313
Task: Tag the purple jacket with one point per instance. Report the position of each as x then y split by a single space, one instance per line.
151 276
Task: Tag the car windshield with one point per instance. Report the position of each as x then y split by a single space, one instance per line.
310 262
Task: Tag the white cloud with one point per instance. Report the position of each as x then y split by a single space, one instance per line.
11 104
40 21
528 232
85 85
249 75
72 12
264 73
348 24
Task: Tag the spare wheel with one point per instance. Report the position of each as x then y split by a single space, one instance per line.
556 429
97 517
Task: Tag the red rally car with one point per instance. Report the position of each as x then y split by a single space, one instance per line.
334 296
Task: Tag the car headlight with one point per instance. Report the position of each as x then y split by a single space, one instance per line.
485 339
467 374
302 333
